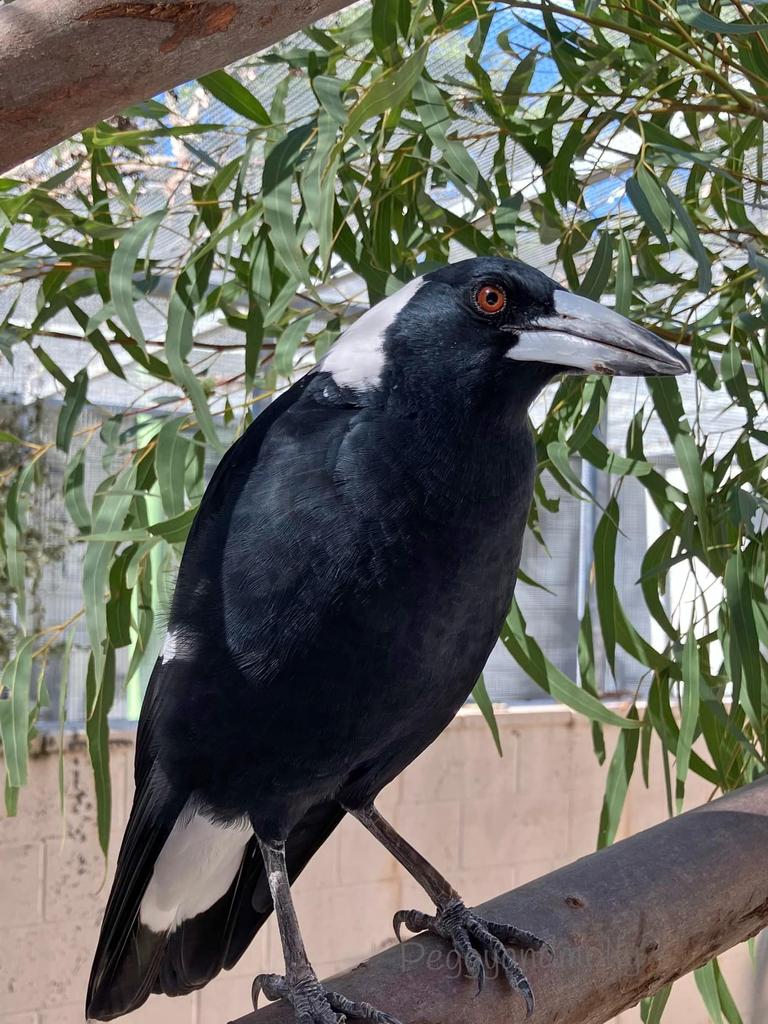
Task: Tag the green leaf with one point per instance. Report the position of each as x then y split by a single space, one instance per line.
596 278
122 268
109 511
330 93
587 677
63 707
530 657
6 437
14 533
99 695
706 983
519 81
638 195
652 1009
561 176
744 648
119 604
186 296
318 184
387 91
170 465
692 14
605 571
691 240
620 773
624 277
483 701
437 119
288 343
384 29
175 530
74 400
74 491
727 1005
668 404
14 713
689 713
277 187
234 95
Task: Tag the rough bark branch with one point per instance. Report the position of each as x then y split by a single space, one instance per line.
66 64
623 922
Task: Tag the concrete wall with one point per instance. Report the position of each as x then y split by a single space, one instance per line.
488 824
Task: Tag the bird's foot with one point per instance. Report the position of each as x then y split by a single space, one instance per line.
314 1004
477 940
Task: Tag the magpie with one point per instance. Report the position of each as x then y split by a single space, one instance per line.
341 588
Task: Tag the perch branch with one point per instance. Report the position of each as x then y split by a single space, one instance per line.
67 64
623 923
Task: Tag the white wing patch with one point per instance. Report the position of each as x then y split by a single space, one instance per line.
357 358
196 867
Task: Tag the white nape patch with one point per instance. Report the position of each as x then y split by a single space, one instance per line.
196 866
178 643
357 358
168 653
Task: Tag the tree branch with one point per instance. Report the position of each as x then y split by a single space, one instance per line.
66 64
623 923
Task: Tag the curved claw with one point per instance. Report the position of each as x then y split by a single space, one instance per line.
274 986
414 920
526 992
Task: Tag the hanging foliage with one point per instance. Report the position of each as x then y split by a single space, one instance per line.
369 158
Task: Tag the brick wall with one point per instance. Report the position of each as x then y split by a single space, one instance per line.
488 824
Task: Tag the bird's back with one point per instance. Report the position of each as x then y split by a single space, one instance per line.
345 598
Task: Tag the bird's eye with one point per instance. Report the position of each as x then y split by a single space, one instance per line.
490 298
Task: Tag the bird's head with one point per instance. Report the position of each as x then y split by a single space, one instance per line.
491 320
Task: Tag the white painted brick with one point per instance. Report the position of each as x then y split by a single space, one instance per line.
21 883
434 830
363 858
347 921
533 827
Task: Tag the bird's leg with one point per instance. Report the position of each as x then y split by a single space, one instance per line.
466 931
299 986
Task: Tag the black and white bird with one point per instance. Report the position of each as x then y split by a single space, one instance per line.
343 583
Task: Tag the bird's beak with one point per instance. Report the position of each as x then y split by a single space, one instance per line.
589 338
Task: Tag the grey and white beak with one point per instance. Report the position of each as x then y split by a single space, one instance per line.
590 338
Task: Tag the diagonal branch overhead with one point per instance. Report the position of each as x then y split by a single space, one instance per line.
66 64
623 922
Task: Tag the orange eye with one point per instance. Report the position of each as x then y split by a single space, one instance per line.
491 298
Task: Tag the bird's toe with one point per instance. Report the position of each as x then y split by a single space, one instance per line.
517 937
274 986
313 1004
415 921
509 967
359 1010
479 944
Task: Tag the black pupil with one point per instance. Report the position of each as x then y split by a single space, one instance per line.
491 297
